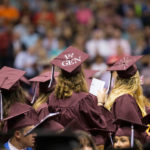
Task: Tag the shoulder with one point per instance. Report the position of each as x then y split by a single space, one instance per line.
125 98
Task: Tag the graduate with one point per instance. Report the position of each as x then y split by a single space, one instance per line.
72 99
17 124
126 98
12 96
42 92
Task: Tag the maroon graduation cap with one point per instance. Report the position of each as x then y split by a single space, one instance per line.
43 78
8 78
47 123
125 67
20 116
69 61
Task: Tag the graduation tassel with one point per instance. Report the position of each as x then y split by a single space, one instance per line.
34 96
1 106
132 136
110 135
110 82
52 77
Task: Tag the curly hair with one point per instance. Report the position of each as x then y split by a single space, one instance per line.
67 84
130 86
12 96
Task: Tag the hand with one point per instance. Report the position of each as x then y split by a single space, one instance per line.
101 95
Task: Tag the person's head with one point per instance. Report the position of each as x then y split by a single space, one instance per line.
20 120
67 84
24 141
123 142
42 82
127 82
86 141
71 78
10 87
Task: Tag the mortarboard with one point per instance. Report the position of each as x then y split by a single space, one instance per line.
43 79
69 61
47 123
125 67
8 78
133 129
20 115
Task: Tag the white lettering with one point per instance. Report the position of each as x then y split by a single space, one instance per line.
69 56
71 62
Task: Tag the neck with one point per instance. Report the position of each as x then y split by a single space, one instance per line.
16 143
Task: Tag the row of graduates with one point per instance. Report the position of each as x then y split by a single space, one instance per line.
63 101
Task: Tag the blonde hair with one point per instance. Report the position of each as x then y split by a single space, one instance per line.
129 86
66 85
41 99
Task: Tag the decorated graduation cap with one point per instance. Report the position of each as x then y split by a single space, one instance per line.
20 116
69 61
47 123
43 79
125 67
8 78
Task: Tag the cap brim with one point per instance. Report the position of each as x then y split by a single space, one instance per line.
41 122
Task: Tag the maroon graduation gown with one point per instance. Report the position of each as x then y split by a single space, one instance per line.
81 107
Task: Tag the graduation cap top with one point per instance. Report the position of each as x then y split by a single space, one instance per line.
70 59
125 66
46 76
9 76
20 115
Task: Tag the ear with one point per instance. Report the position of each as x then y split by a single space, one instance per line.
17 134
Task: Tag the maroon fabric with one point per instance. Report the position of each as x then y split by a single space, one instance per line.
126 131
20 115
83 108
70 59
131 71
126 108
42 111
9 77
125 66
126 112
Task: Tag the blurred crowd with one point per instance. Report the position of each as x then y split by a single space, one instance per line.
32 32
